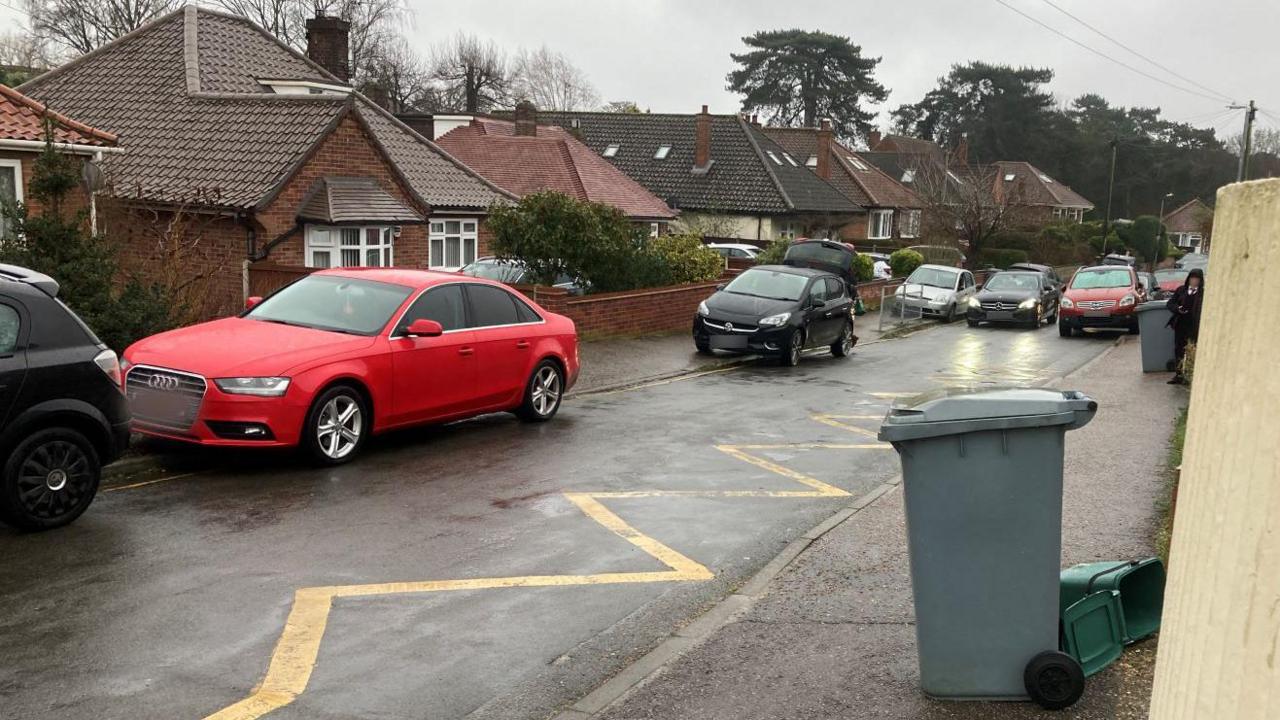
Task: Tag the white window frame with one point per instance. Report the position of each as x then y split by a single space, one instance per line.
16 164
468 242
909 228
873 224
328 239
788 230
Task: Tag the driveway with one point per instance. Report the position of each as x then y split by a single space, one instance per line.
486 569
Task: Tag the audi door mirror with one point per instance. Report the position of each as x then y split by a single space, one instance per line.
424 328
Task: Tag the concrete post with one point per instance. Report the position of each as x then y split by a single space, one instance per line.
1219 654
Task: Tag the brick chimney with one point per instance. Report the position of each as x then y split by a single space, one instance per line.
328 45
824 150
873 139
702 140
526 119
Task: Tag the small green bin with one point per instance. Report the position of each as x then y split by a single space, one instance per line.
1093 631
1139 582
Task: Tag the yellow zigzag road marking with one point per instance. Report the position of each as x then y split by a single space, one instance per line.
296 651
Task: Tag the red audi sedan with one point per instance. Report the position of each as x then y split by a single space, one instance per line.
341 354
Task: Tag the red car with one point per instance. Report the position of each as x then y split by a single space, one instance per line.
1103 296
1171 279
341 354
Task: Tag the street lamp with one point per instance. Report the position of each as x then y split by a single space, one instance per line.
1161 216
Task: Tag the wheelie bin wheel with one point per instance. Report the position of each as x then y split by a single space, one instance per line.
1054 680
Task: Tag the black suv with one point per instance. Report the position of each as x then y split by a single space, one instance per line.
62 413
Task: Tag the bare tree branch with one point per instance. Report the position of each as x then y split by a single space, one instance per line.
551 82
966 203
475 75
84 25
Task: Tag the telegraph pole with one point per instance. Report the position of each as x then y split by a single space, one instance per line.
1111 186
1247 146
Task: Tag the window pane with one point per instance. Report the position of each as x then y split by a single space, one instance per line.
320 237
524 312
373 236
373 257
453 252
437 252
350 236
469 251
469 227
453 227
443 304
320 258
350 258
437 227
8 329
491 306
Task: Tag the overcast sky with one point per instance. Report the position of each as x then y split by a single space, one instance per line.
672 55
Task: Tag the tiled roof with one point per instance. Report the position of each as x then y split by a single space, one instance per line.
743 177
903 145
1188 217
1037 187
551 160
182 93
354 199
23 118
860 180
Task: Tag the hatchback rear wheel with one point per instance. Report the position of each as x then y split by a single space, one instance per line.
49 480
337 426
843 346
542 394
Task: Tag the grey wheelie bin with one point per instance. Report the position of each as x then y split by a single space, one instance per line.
982 479
1157 336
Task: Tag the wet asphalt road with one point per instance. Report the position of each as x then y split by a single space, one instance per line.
167 600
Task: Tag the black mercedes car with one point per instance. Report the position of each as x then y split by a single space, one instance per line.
1024 297
777 310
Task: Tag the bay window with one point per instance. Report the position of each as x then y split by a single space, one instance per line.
880 225
910 227
328 246
452 243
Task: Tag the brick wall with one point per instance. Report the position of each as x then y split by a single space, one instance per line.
632 312
76 199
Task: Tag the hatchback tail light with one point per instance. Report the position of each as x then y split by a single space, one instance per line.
109 364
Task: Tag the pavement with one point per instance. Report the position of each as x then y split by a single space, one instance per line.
482 569
832 636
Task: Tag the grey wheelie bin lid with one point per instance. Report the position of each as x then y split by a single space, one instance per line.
953 411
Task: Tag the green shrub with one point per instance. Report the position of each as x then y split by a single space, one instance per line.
774 252
1013 240
1001 257
904 262
864 268
687 259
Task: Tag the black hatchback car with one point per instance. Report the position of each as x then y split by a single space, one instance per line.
62 412
1024 297
777 310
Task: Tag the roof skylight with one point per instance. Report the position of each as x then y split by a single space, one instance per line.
611 150
773 157
662 153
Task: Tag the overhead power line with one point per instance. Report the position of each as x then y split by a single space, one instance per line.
1105 56
1135 53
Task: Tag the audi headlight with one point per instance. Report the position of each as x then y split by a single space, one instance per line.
1127 300
1028 303
1066 303
702 308
261 386
776 320
974 302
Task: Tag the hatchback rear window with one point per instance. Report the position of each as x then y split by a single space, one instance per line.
1091 279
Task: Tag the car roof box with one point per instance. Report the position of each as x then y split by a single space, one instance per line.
15 273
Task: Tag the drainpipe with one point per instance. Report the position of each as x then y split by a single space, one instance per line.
93 201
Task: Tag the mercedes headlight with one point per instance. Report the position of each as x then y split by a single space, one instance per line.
1028 303
260 386
776 320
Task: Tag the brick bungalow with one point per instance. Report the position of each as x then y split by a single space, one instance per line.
726 177
893 211
23 139
1190 225
523 157
240 149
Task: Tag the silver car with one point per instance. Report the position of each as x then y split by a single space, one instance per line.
938 291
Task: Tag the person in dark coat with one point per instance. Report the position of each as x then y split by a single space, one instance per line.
1185 306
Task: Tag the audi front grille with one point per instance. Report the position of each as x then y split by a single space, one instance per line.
167 399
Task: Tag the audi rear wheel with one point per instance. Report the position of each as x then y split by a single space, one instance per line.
543 393
337 426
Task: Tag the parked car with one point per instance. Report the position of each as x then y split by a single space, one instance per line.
341 354
1024 297
1149 286
1170 279
937 291
777 310
62 413
940 254
514 272
1102 296
1192 260
1117 259
1046 270
735 251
